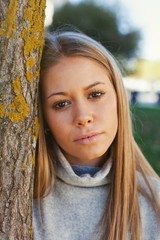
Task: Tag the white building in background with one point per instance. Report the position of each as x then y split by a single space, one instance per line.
50 6
147 92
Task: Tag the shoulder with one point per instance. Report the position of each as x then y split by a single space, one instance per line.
150 181
148 213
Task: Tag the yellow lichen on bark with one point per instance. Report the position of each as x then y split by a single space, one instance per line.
30 62
18 109
34 19
30 76
2 111
32 34
17 85
27 14
8 26
37 74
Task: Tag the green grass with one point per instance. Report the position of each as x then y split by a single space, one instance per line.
146 125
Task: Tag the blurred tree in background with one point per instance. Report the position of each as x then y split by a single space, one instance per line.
101 24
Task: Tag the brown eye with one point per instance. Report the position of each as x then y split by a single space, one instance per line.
61 104
96 94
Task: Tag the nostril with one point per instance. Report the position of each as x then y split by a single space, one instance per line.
84 122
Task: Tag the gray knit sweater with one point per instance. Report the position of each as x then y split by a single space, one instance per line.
75 207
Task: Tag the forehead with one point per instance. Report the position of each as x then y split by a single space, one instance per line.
75 74
77 65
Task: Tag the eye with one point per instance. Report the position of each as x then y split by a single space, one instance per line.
61 104
96 94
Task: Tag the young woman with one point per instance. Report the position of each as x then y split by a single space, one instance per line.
91 181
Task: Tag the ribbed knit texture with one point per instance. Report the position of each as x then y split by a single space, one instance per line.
75 207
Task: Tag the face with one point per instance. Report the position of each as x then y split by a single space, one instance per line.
80 108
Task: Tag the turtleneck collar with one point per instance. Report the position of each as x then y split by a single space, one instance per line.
65 173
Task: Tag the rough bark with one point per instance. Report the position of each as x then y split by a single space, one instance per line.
21 40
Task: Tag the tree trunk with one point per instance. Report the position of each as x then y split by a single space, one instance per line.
21 40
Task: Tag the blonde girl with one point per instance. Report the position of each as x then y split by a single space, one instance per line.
91 181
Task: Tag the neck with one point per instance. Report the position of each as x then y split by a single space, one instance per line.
96 162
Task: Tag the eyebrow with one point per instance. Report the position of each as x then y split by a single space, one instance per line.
93 85
85 88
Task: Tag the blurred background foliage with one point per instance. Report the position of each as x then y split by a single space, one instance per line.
102 24
146 128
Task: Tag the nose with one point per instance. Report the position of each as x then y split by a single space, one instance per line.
83 116
84 121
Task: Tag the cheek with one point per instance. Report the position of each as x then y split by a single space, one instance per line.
109 107
50 119
111 117
56 123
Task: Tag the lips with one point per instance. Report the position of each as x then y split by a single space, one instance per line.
88 138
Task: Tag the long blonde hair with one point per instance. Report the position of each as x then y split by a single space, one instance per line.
122 208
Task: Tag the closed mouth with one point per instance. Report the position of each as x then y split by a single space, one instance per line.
87 136
88 139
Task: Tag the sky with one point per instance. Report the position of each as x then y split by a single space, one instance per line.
142 14
146 15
